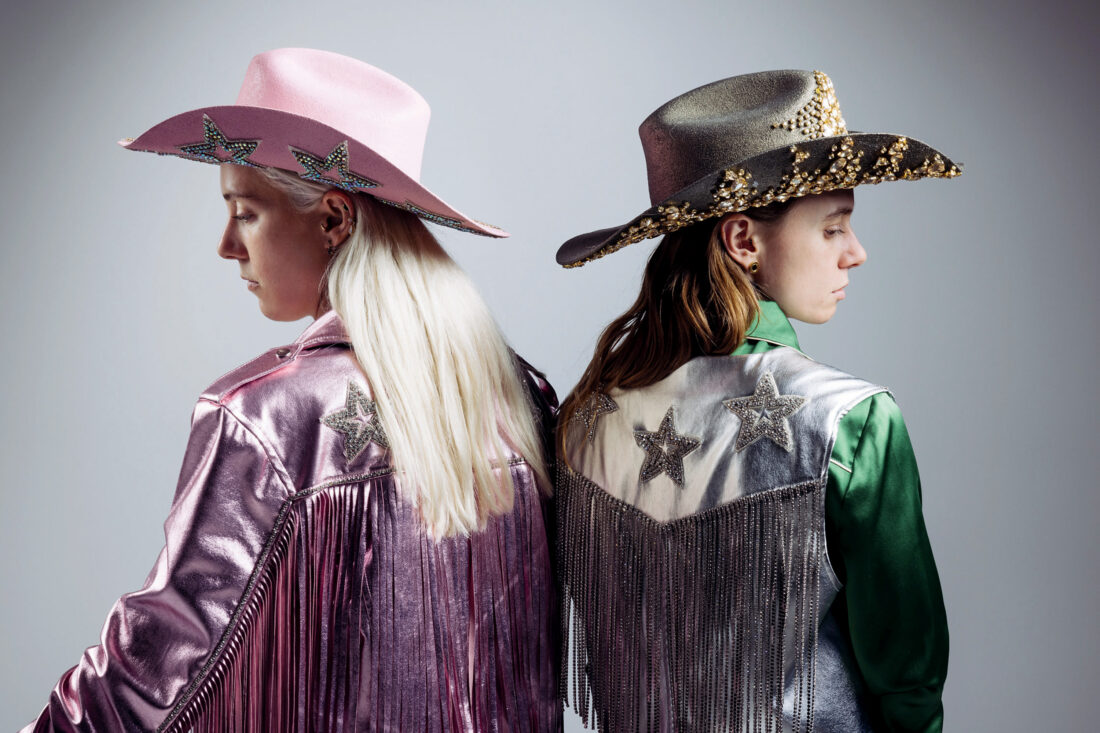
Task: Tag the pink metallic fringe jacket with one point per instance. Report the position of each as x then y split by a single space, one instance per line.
298 591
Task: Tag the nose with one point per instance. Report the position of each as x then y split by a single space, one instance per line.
230 247
854 255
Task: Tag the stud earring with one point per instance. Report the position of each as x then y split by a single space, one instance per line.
754 267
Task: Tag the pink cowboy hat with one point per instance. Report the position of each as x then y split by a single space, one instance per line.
326 117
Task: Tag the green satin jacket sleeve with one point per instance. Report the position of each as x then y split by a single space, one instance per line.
892 602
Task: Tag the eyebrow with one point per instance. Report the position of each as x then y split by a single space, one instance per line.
236 195
840 211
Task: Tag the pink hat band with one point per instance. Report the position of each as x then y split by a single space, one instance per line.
326 117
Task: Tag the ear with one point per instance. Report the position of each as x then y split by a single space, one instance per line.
737 232
337 217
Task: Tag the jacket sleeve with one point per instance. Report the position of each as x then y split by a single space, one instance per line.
159 642
879 546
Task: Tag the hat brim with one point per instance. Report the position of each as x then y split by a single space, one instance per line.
801 170
285 132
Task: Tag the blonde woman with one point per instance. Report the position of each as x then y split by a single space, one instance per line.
357 538
743 546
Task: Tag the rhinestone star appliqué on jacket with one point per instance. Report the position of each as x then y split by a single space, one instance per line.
358 422
589 414
664 451
764 414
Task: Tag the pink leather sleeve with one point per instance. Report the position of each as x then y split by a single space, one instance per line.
158 642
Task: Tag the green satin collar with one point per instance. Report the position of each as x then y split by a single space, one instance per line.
771 326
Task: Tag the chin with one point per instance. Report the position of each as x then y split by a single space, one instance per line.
272 314
816 317
281 314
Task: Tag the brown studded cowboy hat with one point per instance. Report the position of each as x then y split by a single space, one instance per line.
748 141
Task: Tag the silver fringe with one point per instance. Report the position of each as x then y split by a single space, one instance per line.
700 624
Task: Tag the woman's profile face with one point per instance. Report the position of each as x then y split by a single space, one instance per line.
281 250
805 256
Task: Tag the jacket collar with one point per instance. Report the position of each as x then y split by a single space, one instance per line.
328 329
772 326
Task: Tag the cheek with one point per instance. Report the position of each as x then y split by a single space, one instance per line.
787 275
302 262
289 249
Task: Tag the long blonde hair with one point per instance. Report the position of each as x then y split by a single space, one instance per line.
445 381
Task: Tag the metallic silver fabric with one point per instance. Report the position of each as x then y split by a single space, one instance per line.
298 591
704 606
715 473
838 688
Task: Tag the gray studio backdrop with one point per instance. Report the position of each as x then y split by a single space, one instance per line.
977 306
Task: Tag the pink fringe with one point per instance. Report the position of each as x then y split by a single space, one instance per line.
358 620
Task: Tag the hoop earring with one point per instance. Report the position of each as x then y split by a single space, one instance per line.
754 267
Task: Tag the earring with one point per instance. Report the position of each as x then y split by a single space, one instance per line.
331 249
754 267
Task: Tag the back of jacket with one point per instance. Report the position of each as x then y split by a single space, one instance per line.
693 559
298 590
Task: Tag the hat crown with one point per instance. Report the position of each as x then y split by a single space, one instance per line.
360 100
723 123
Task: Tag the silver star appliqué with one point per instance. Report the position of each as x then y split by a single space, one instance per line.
321 169
589 413
764 414
358 422
207 150
664 451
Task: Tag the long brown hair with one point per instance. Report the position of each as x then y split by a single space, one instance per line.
695 300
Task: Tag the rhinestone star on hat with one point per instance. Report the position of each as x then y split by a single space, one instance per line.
764 414
358 422
321 169
207 150
664 451
589 413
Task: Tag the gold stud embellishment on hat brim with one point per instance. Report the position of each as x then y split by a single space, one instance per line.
207 150
820 117
736 190
320 170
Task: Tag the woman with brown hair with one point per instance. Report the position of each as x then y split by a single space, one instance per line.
741 539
